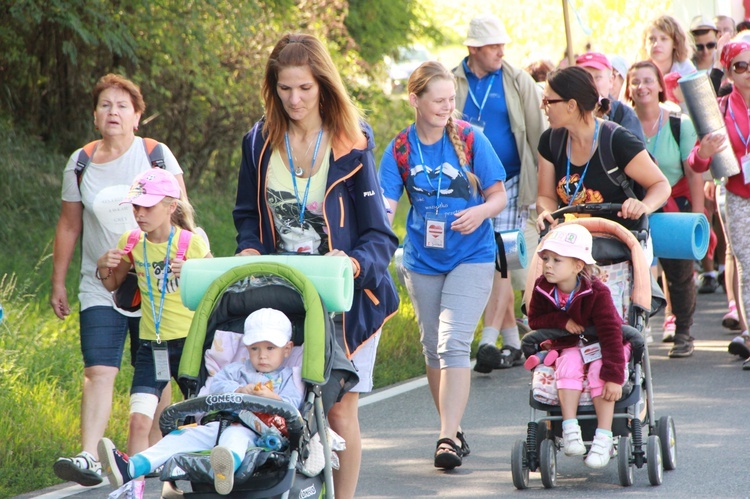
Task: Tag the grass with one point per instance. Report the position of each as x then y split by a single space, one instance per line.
41 369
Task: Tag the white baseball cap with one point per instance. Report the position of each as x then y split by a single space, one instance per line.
571 240
267 324
486 29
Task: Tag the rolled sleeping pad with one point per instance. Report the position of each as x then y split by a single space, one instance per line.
515 249
679 236
700 100
332 276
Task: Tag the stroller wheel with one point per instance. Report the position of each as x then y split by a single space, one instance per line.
653 455
625 466
518 465
548 463
666 431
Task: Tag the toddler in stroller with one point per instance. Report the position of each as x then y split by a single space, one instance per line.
599 396
268 338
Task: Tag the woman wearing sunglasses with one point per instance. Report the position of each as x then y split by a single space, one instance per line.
735 107
670 144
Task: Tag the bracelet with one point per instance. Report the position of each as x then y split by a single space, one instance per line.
98 276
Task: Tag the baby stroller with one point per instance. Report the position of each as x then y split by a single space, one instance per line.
326 372
634 412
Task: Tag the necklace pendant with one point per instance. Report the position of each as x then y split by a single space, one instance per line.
299 171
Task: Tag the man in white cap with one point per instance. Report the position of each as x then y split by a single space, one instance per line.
505 104
705 38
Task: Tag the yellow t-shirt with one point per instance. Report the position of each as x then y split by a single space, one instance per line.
175 318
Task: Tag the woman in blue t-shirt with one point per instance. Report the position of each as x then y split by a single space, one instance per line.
454 181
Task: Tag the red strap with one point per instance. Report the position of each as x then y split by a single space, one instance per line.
183 243
150 145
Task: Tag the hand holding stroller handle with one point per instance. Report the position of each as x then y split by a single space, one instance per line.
597 210
175 414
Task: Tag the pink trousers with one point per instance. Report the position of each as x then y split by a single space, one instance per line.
570 371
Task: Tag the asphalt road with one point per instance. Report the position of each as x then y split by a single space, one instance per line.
707 395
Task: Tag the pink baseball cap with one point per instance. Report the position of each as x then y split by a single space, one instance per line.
593 60
151 186
571 240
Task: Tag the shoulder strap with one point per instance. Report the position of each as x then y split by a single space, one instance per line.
84 159
183 243
556 143
154 153
133 238
401 150
466 134
619 112
607 158
674 125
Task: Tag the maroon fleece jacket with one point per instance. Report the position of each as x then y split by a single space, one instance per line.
592 305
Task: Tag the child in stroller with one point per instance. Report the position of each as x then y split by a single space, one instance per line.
267 336
569 298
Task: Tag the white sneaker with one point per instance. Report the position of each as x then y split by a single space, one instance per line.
600 453
572 441
222 463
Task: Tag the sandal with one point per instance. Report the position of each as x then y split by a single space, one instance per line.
448 457
465 450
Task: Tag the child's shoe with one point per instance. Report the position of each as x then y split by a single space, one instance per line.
551 357
532 362
222 462
572 441
601 451
115 463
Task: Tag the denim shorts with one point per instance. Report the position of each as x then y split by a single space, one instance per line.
103 331
144 377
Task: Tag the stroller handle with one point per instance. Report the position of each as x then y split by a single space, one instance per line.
232 402
597 210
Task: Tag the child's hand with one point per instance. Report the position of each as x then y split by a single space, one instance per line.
111 259
247 389
573 328
611 391
262 390
176 266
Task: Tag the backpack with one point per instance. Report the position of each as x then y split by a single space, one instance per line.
128 296
401 149
153 151
606 157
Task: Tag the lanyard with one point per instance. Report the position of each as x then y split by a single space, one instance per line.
745 141
302 204
658 132
585 169
438 169
157 318
486 93
570 296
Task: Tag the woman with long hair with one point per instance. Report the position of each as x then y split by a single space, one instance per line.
666 44
308 184
454 181
646 91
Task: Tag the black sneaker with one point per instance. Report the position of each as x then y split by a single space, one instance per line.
510 357
115 463
485 355
82 469
681 350
707 284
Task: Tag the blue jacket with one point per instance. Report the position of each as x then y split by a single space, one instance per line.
355 218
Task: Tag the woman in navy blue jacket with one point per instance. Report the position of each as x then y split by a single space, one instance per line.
308 184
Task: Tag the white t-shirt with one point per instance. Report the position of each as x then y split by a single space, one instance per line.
103 186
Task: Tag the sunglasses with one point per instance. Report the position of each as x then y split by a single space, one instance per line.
740 67
546 102
701 47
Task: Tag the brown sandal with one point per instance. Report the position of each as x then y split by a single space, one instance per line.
448 457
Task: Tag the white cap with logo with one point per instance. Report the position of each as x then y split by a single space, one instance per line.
572 240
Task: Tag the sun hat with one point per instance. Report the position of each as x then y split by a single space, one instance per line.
700 23
594 60
151 186
267 324
571 240
619 64
486 29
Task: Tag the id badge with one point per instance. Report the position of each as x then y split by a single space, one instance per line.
745 161
477 124
304 247
434 234
591 352
161 360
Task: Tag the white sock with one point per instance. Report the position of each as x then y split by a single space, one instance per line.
489 336
712 273
511 338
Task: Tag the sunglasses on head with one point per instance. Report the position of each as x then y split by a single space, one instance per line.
740 67
700 47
